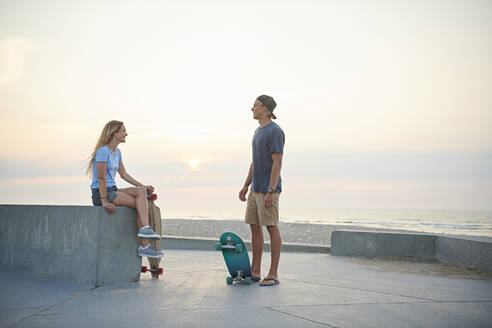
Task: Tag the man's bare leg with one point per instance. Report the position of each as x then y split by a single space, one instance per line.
275 247
257 249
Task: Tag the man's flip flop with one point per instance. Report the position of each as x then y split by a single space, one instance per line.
255 279
269 282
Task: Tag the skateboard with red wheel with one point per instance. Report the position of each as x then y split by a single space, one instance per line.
156 225
155 272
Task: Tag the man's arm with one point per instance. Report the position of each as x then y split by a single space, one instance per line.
277 166
249 179
274 176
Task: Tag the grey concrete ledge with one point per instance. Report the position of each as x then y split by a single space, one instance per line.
382 244
462 251
191 243
83 244
466 252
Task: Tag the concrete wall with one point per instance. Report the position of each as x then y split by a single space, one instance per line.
207 244
382 244
81 243
462 251
465 251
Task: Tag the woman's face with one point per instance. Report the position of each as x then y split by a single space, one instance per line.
120 136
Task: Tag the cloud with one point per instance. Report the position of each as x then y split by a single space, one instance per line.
348 186
13 52
46 180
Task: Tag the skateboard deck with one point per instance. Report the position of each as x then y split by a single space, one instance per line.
156 224
236 258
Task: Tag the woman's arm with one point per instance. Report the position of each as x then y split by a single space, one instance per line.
125 176
101 179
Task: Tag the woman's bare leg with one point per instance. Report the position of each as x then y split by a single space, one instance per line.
139 202
135 197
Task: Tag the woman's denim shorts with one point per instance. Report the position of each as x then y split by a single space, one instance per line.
96 195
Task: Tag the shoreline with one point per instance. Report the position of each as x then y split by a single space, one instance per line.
305 233
439 222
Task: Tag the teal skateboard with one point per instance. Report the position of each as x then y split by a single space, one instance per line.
236 258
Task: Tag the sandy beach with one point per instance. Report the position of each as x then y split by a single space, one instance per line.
306 233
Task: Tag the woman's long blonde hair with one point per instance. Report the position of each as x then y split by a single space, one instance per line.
106 135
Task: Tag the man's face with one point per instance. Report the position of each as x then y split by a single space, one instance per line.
259 110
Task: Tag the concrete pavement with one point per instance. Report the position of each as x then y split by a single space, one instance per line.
316 290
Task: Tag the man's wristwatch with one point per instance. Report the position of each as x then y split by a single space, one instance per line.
270 190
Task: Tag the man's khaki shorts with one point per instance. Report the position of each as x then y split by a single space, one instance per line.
257 214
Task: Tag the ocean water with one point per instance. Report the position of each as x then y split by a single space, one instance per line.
465 222
457 222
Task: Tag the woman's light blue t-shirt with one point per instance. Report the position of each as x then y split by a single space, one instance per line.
112 160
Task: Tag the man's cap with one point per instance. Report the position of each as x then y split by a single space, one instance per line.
269 103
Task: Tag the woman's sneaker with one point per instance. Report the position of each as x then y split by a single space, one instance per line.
149 251
148 233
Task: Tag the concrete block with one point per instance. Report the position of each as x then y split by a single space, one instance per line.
465 252
84 244
206 244
468 251
382 244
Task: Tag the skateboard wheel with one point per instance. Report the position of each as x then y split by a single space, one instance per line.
218 246
229 280
239 248
247 280
143 269
151 196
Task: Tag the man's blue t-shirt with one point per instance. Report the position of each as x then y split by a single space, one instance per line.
112 160
267 140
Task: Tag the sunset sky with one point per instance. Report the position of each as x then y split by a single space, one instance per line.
385 104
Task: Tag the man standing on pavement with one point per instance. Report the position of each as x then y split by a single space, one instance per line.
263 200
